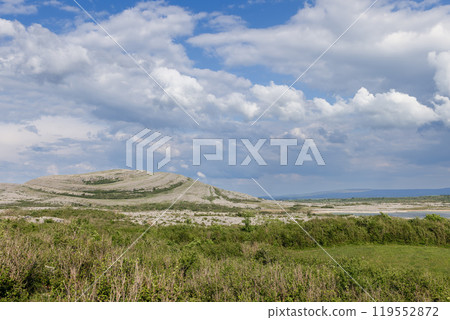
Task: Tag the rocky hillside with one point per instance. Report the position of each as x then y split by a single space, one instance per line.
119 188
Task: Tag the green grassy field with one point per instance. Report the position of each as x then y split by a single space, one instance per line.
435 260
393 259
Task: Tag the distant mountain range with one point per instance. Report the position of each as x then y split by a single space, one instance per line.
368 193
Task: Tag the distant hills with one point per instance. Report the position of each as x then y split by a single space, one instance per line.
368 193
137 188
120 188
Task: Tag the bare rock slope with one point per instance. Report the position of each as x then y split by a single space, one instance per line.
121 187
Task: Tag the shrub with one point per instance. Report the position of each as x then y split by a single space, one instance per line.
247 225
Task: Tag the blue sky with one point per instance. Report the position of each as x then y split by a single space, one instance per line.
376 104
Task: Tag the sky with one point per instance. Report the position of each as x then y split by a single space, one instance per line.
376 103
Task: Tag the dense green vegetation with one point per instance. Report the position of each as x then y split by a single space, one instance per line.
187 262
180 205
101 180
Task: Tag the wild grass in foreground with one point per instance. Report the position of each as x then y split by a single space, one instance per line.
271 262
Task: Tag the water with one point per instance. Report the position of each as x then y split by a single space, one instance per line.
403 214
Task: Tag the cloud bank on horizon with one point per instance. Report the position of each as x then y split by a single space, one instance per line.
377 104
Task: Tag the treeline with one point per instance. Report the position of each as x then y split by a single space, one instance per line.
381 229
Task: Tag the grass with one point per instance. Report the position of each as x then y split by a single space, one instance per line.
187 262
422 258
26 204
180 205
101 180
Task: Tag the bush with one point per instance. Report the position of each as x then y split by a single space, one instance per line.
434 217
263 257
56 261
247 225
188 261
